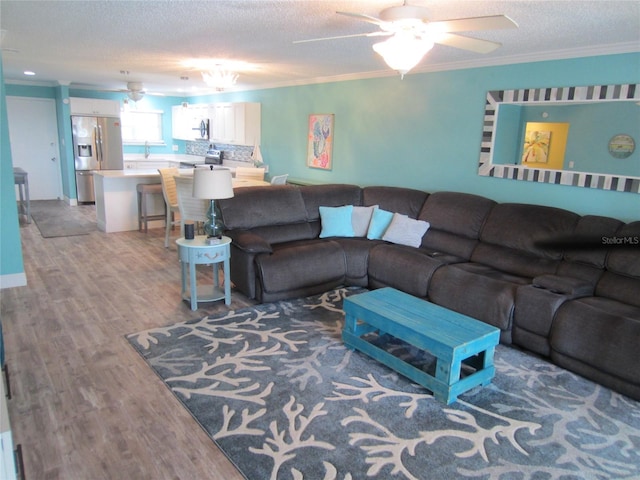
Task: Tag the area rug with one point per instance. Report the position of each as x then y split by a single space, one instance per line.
54 218
279 393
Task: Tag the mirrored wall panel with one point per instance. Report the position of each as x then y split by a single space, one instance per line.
581 136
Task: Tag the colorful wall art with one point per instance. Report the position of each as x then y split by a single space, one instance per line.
320 147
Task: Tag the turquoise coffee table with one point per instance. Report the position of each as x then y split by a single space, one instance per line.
451 337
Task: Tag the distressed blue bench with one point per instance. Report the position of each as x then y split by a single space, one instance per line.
452 338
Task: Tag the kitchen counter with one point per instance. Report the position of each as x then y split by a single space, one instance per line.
137 161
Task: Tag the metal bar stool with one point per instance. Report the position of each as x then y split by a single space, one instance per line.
21 178
145 189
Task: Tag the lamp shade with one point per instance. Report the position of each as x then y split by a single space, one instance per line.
212 184
403 51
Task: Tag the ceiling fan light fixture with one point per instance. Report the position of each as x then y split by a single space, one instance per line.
135 95
135 90
402 52
220 78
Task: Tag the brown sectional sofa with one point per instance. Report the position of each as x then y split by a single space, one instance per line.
559 284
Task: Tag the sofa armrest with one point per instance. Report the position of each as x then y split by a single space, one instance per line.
570 286
249 242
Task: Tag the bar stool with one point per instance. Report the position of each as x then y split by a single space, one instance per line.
21 179
143 190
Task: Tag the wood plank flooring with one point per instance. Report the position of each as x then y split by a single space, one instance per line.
84 405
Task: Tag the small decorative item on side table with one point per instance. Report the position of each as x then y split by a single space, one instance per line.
199 251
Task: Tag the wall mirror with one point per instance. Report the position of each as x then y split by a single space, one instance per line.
583 136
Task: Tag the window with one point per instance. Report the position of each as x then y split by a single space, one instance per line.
139 127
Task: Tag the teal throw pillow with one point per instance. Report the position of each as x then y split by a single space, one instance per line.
380 220
336 221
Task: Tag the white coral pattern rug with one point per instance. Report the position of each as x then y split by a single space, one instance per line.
279 393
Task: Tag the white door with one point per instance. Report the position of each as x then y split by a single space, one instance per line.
33 132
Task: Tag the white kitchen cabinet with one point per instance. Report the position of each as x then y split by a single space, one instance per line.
236 123
94 106
184 120
180 127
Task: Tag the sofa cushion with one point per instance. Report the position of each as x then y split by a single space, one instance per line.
518 238
284 233
357 253
301 264
623 258
455 222
462 214
404 268
336 221
395 199
621 280
260 206
405 231
330 195
478 291
586 244
380 220
600 332
528 228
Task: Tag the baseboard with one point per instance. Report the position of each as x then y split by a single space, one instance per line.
13 280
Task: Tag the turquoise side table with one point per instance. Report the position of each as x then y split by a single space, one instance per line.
198 251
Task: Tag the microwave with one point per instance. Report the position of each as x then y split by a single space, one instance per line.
201 129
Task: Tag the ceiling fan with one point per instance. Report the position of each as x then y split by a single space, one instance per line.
135 91
412 35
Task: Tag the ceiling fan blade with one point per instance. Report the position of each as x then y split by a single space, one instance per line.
362 16
493 22
467 43
372 34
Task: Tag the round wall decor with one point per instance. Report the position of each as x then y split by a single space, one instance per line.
621 146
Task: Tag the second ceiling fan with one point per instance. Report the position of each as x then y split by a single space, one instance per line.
412 35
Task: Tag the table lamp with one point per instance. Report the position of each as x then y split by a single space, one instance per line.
212 184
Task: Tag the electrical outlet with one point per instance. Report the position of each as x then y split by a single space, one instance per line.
266 168
175 148
570 164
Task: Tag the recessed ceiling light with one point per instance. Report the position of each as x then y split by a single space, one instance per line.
29 72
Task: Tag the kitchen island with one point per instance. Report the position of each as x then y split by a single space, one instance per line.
117 198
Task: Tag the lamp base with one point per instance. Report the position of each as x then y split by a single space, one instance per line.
213 227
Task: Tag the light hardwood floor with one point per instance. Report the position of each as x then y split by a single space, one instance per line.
84 405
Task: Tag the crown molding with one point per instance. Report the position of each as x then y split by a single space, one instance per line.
565 54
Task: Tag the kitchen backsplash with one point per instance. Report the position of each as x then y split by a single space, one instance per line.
237 153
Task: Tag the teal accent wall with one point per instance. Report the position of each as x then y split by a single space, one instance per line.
11 261
425 131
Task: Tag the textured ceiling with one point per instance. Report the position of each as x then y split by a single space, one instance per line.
88 43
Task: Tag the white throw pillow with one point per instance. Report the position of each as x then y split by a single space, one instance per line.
360 220
406 231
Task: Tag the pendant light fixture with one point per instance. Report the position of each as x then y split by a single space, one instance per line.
220 78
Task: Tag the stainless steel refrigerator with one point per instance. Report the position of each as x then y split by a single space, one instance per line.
97 145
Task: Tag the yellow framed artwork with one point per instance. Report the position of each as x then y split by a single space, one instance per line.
320 137
544 145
